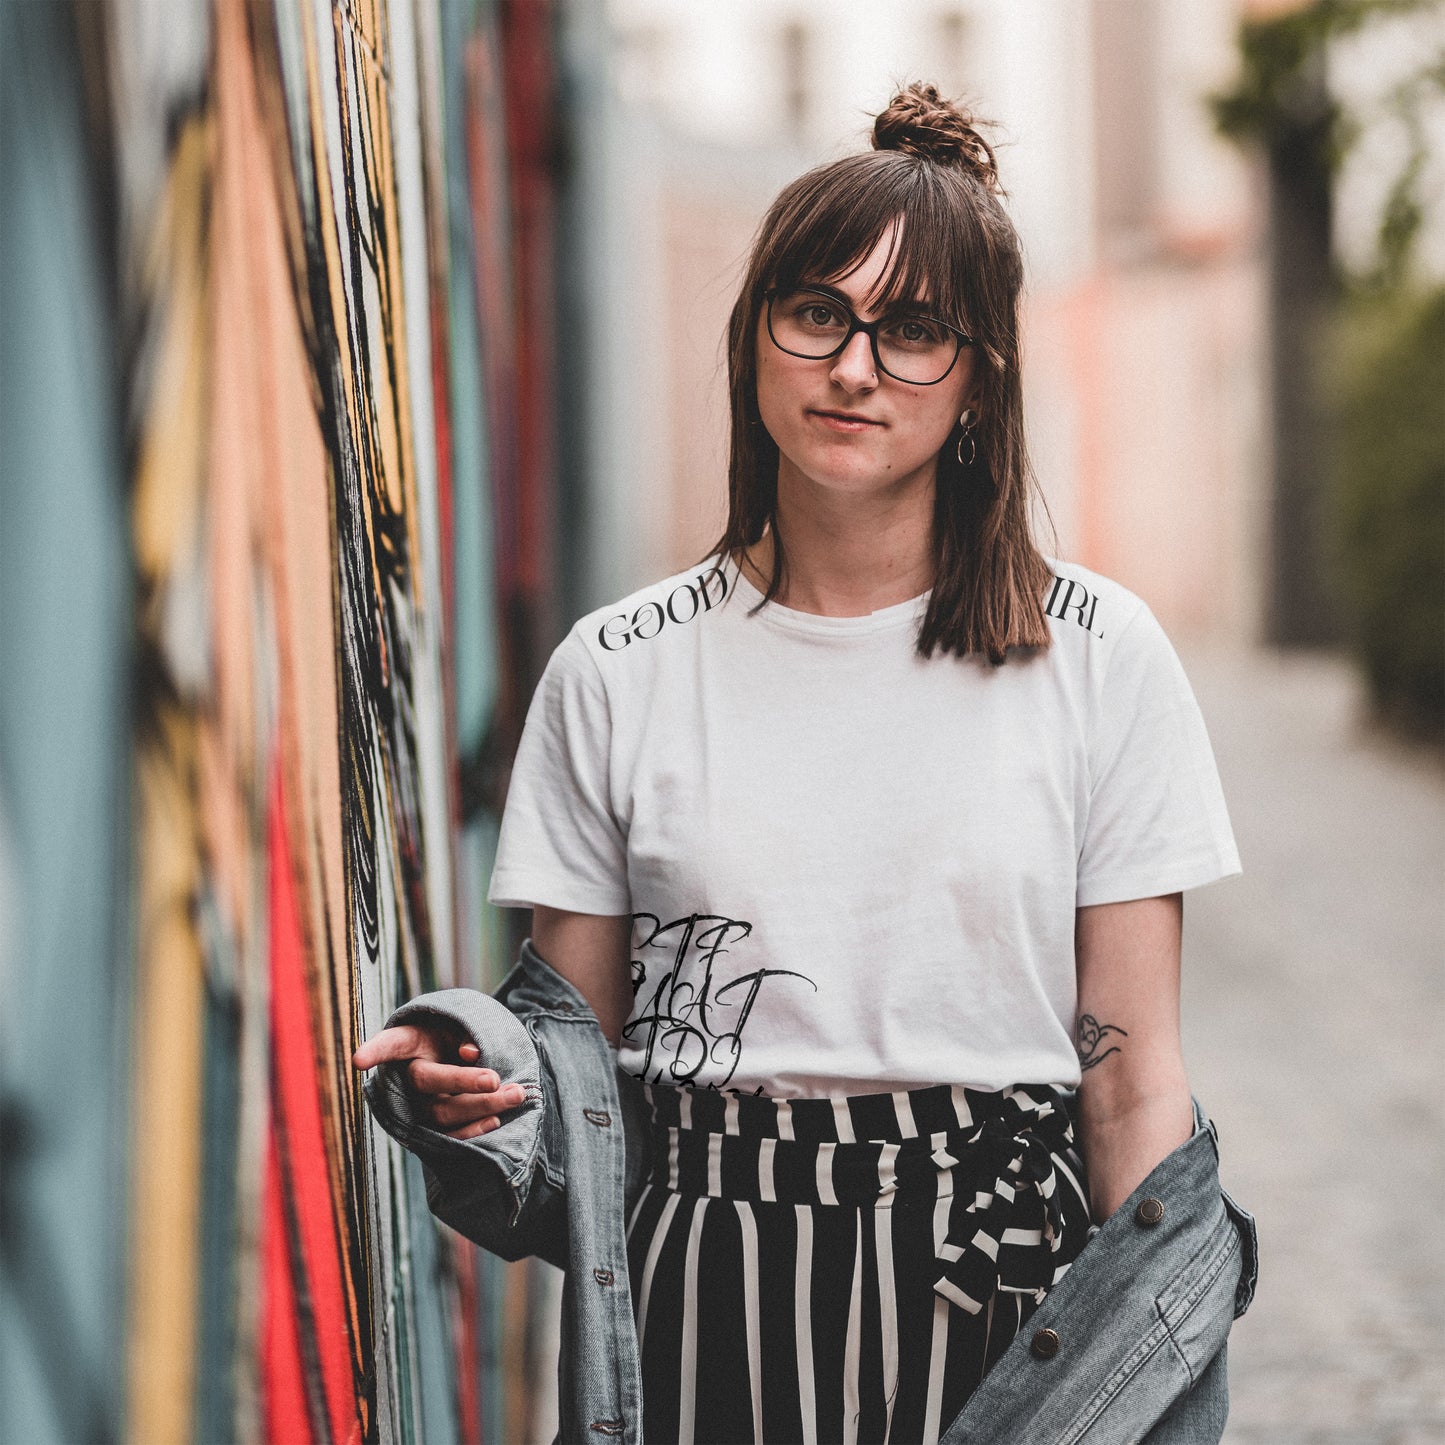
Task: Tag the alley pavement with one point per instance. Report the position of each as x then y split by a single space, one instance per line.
1314 1028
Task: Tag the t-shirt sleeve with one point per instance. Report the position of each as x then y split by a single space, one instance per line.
1157 821
560 843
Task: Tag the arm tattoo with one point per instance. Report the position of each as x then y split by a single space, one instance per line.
1091 1035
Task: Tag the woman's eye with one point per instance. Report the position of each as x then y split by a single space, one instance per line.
912 331
817 314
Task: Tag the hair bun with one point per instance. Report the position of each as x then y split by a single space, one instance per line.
919 122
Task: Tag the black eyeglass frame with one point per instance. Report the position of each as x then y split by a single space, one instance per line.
868 328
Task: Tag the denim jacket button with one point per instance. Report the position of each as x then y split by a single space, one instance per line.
1150 1211
1046 1344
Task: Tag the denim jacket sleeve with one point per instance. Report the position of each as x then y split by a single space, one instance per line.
503 1189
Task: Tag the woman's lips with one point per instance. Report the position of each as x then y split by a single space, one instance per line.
839 422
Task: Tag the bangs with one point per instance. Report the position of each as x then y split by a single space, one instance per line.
836 219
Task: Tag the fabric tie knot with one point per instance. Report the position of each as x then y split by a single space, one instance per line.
1008 1234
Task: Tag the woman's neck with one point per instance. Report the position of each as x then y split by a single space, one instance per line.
848 562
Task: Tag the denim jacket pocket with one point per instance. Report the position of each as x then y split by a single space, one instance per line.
1197 1306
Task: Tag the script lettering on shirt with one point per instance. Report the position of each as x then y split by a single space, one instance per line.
1068 596
688 1021
685 602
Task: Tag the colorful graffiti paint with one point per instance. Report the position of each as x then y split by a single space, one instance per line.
340 560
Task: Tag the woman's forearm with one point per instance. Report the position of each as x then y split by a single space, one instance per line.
1126 1131
1134 1105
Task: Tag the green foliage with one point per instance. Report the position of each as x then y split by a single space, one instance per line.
1280 97
1280 60
1386 392
1388 497
1404 211
1277 90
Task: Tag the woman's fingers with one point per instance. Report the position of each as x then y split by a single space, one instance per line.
455 1110
462 1100
470 1131
427 1077
402 1041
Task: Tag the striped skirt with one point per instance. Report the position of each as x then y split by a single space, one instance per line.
845 1269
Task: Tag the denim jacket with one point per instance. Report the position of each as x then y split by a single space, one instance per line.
1128 1346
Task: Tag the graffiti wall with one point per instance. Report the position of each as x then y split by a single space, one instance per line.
330 241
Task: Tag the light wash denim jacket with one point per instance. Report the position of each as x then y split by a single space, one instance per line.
1140 1319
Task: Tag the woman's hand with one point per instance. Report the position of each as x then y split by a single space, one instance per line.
456 1095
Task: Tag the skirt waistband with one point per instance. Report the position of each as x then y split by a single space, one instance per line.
845 1150
1000 1166
864 1118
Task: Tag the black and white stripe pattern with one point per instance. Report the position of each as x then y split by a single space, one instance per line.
844 1269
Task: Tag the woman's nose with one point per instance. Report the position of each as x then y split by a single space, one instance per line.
853 366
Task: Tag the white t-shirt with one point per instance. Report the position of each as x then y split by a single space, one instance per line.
851 869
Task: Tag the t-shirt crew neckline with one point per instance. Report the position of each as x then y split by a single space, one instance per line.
899 614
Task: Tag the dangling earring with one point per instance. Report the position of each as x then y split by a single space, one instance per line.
967 421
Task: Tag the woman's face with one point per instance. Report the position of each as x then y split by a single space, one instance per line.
843 424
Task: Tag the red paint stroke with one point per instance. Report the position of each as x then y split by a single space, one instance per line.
442 411
467 1341
446 515
486 177
529 101
310 1210
283 1387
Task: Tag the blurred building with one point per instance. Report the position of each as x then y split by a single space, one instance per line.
1176 282
1141 228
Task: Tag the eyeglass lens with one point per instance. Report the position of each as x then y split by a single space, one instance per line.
813 325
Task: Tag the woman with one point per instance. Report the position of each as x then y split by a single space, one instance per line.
864 840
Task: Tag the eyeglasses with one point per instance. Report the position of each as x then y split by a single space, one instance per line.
815 324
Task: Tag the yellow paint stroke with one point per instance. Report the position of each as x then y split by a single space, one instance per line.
169 990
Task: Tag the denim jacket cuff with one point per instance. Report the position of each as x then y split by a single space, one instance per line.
490 1169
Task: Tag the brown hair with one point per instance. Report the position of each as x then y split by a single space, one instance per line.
932 168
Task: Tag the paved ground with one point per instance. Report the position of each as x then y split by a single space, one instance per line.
1314 1018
